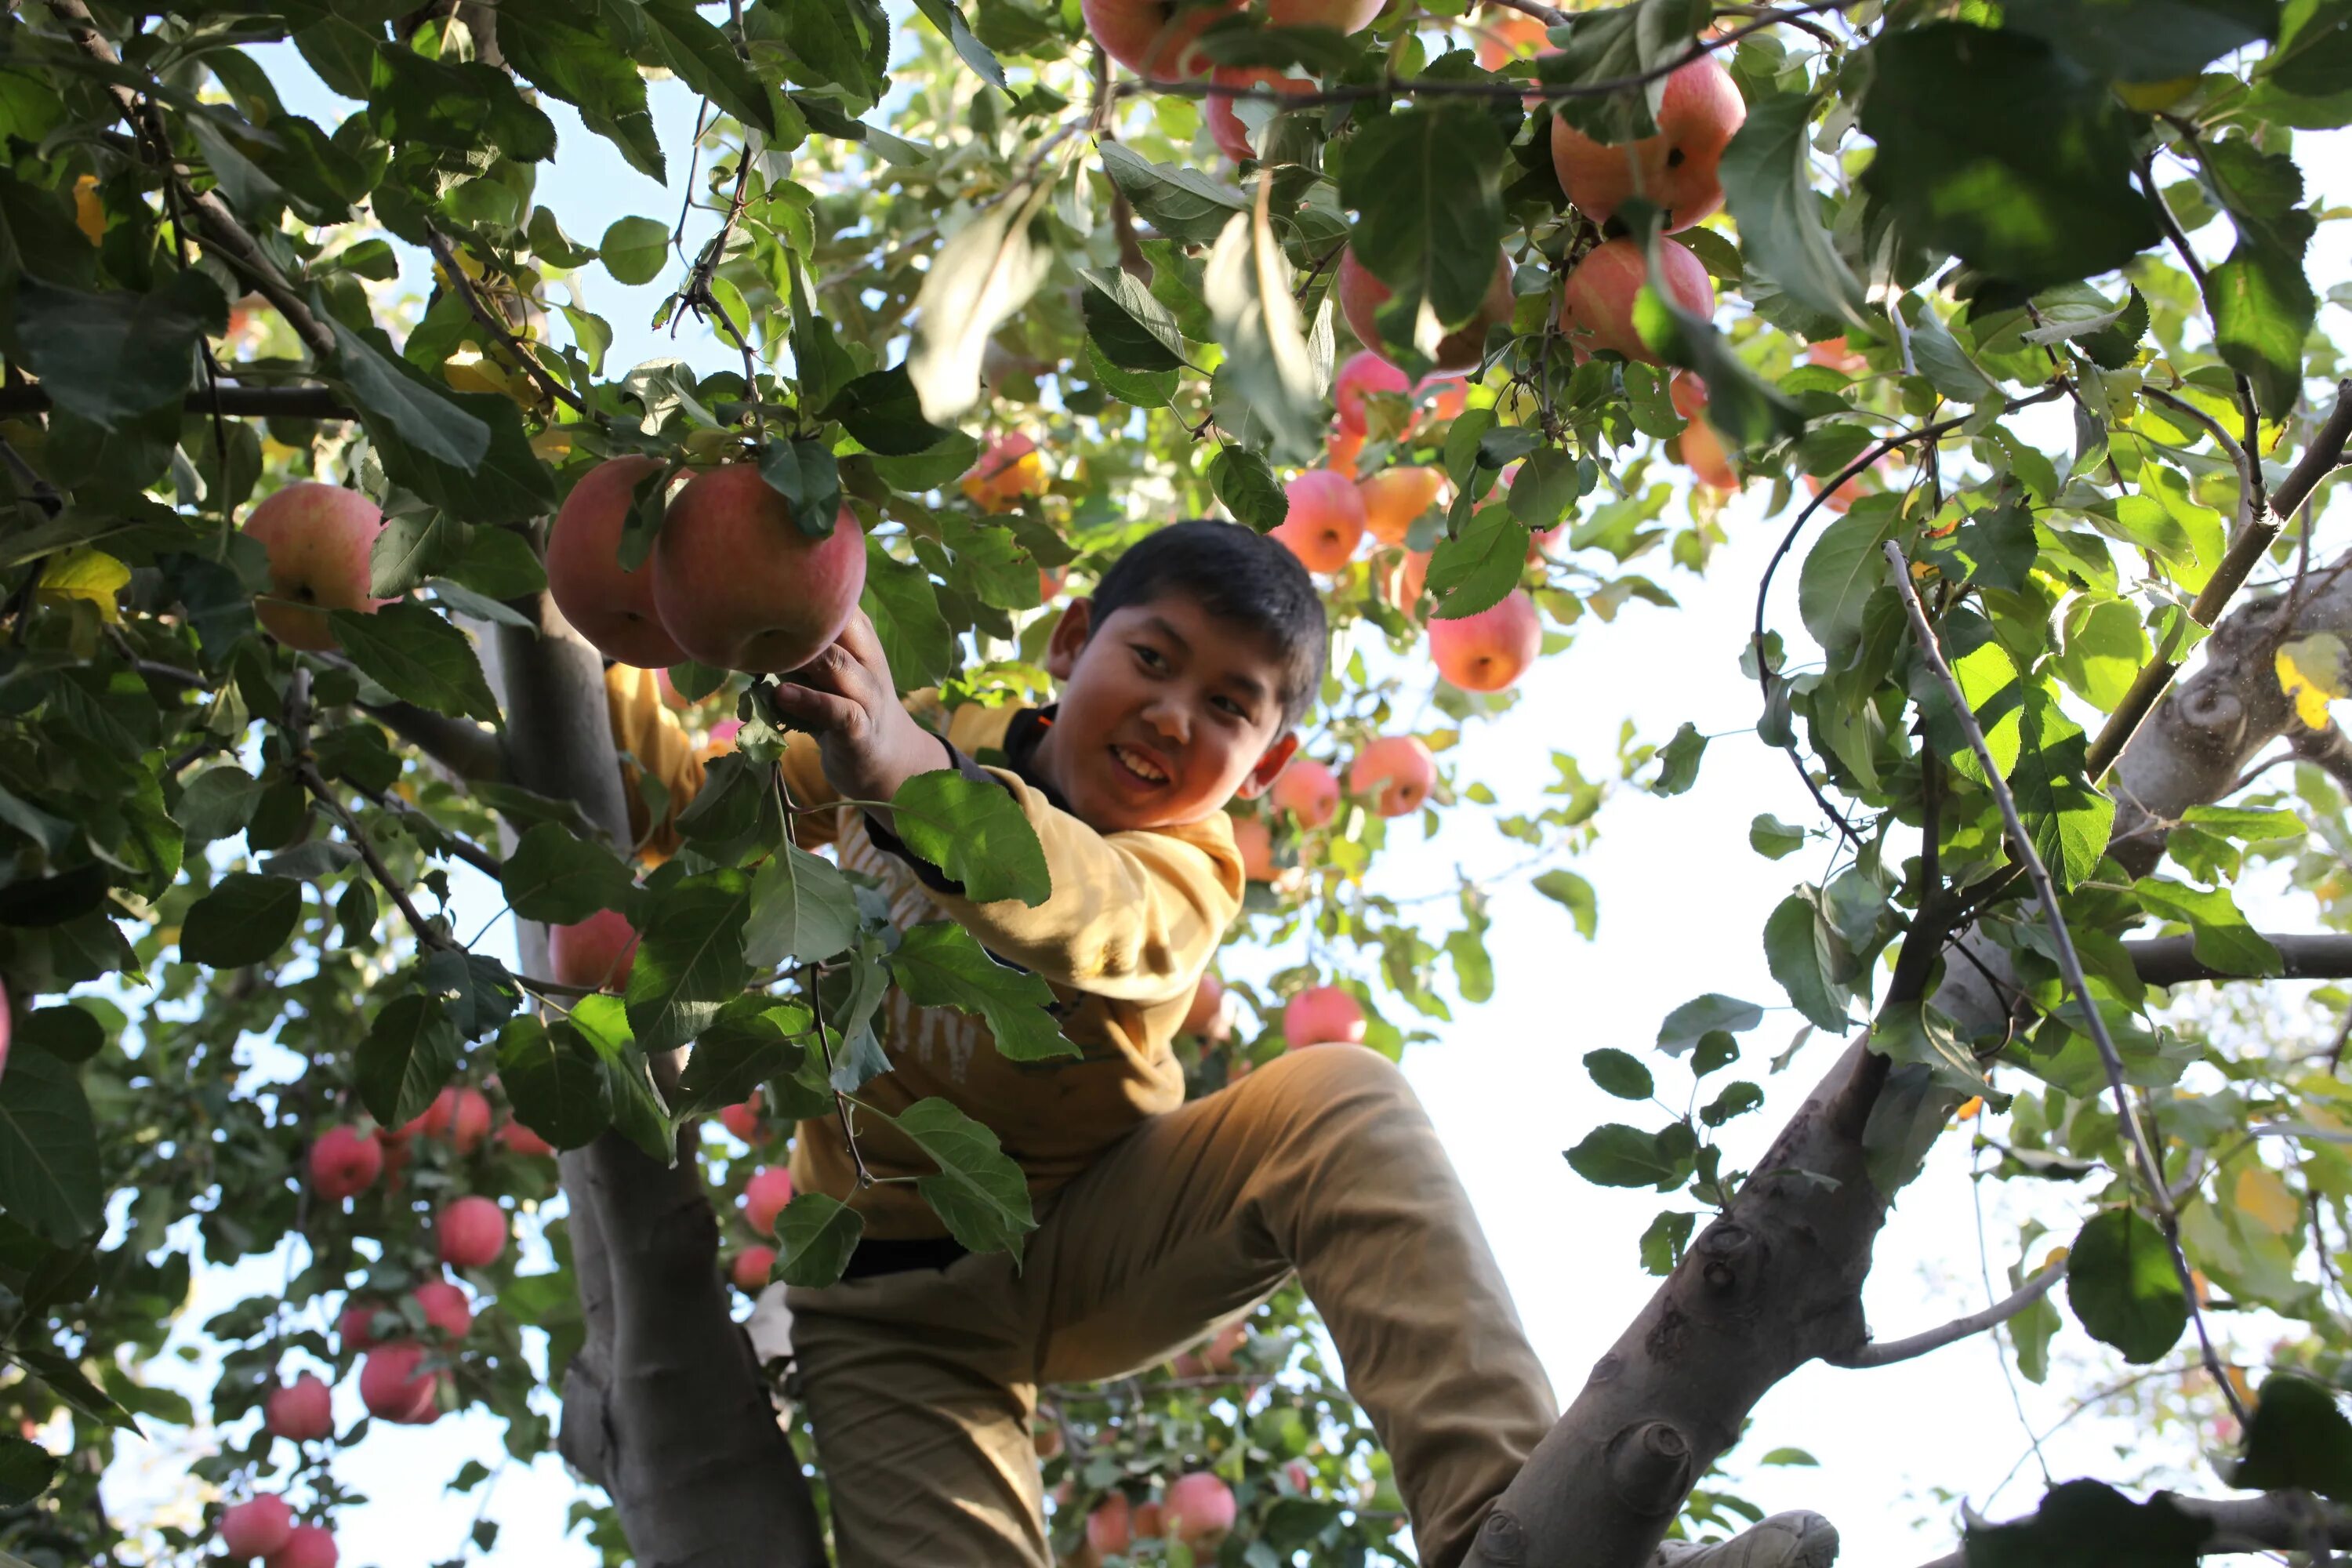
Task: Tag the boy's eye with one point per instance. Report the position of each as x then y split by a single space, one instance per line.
1152 658
1232 707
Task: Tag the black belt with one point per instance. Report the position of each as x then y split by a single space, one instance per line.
876 1255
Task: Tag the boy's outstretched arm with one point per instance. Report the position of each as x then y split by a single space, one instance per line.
846 698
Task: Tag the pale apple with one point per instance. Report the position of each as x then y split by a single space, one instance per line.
1401 581
1396 773
318 537
1597 309
1199 1509
1339 453
1325 520
597 952
1322 1016
1489 651
470 1232
611 607
1308 790
300 1412
1362 295
1395 498
1676 169
741 586
345 1163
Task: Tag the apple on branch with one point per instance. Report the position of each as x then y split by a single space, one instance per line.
1596 308
318 537
611 607
1676 169
741 586
1362 295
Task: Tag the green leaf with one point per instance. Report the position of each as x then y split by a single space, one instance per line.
478 990
1477 569
953 455
426 417
940 965
2313 58
407 1057
979 1192
217 805
1994 147
25 1470
947 17
2088 1524
1617 1155
65 1031
975 832
2105 648
1773 838
2298 1440
1611 44
2262 310
1766 174
540 40
1742 408
881 409
1844 567
414 545
599 1025
905 609
1272 371
243 919
1574 894
803 472
1737 1099
1180 202
2121 1282
1678 761
554 1081
982 276
49 1178
467 107
802 907
750 1042
690 960
1619 1073
702 56
815 1235
418 656
1916 1032
1703 1016
1246 487
1662 1243
2147 40
110 357
1427 182
504 482
2068 820
1806 955
558 878
634 249
2220 936
1134 330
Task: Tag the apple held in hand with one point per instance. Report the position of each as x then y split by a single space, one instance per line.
597 952
1490 650
1308 790
751 1267
470 1232
393 1388
318 537
1325 520
1676 169
300 1412
345 1163
309 1546
1395 498
765 1197
1199 1509
1322 1016
740 587
256 1527
1396 773
1597 309
1362 295
611 607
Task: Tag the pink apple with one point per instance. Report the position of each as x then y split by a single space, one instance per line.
1339 453
1320 1015
764 1197
1207 1016
300 1412
470 1232
742 1119
1309 791
1597 309
1224 1346
1702 449
1401 582
1364 371
1226 127
612 609
1325 519
1200 1509
741 586
721 741
459 1114
1505 35
751 1267
1838 355
1254 840
255 1527
1443 395
309 1546
1395 498
1676 169
393 1388
1395 772
521 1139
1110 1527
318 537
1489 651
1362 295
599 950
1148 1523
354 1326
345 1163
8 1028
445 1308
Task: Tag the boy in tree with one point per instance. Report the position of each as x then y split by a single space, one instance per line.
1159 1221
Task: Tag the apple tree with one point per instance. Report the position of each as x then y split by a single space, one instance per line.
325 507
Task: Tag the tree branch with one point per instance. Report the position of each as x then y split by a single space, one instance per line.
2172 960
499 334
240 402
469 750
1886 1352
2275 1522
2320 458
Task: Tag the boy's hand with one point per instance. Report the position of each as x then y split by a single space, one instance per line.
846 698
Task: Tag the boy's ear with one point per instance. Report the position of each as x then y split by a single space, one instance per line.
1269 766
1070 634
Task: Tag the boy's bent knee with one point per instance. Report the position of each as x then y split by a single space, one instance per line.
1318 1080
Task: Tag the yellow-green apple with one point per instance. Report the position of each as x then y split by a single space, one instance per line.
751 1268
318 537
307 1546
1365 371
1010 469
599 950
1597 309
1676 169
300 1412
345 1163
470 1232
741 586
1489 651
1394 498
256 1527
765 1197
394 1389
1325 520
1199 1509
611 607
1308 790
444 1306
1322 1016
1226 127
1362 295
1395 772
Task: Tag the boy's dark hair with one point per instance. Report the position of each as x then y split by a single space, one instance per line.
1236 575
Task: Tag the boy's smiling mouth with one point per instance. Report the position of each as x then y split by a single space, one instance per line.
1139 765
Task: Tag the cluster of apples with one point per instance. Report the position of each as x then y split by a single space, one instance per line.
766 1194
1198 1509
347 1159
266 1526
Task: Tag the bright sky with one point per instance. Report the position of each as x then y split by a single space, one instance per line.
1682 900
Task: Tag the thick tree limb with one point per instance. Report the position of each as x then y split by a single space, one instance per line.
235 401
1887 1353
2320 458
2172 960
2275 1522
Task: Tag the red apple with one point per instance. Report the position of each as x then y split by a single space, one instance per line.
1254 840
1340 16
1676 169
318 537
521 1139
460 1115
300 1412
599 950
470 1232
1224 1346
352 1325
393 1388
1325 519
1300 1478
1322 1016
1597 311
1208 1016
751 1267
1309 791
1226 127
8 1028
612 609
1009 469
1703 454
1364 371
1489 651
345 1163
1362 295
1110 1527
741 586
309 1546
764 1197
1396 771
1154 38
1200 1509
742 1119
1395 498
444 1308
255 1527
1150 1524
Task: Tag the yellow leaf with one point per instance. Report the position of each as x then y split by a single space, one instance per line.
89 216
86 574
2265 1200
552 444
469 371
2311 671
1970 1109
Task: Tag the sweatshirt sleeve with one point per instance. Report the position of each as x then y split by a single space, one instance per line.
1133 917
644 727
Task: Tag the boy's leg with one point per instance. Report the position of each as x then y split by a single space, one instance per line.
1321 1161
917 1386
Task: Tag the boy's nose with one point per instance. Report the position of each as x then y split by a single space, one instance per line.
1170 720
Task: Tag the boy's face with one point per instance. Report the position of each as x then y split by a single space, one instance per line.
1167 712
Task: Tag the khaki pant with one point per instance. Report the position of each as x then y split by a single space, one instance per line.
920 1384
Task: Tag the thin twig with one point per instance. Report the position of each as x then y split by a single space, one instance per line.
1887 1353
489 322
2070 963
